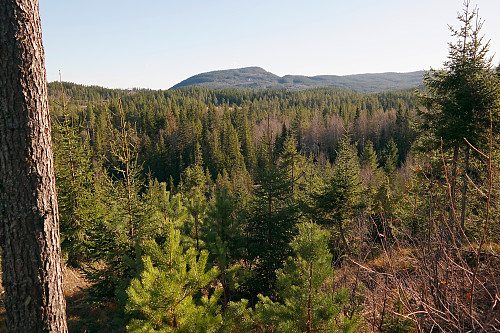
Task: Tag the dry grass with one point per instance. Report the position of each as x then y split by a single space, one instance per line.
83 315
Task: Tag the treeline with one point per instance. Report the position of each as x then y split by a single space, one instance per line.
229 126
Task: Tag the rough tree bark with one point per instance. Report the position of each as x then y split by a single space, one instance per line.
29 223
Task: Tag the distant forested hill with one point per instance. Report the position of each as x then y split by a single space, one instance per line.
258 78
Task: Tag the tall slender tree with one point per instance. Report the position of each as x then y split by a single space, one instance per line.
272 221
29 229
390 157
461 98
336 204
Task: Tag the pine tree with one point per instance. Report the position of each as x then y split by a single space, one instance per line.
29 228
194 188
305 286
163 297
196 205
239 317
223 238
121 231
165 208
128 185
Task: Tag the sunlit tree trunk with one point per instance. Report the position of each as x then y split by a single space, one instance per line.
29 223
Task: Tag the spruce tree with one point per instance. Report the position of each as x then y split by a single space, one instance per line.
247 145
337 202
390 157
272 221
369 156
460 100
121 231
77 197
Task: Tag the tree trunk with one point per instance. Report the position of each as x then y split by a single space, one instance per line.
309 328
196 232
342 236
464 193
452 219
29 227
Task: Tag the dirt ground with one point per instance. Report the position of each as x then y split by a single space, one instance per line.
83 315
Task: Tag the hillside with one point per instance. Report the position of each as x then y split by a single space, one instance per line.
258 78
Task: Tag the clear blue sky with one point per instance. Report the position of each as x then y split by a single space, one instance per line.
158 43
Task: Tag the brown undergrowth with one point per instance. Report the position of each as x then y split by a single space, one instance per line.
83 315
405 289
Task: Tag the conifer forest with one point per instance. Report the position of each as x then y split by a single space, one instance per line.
319 210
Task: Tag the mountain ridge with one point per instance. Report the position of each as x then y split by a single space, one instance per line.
257 78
